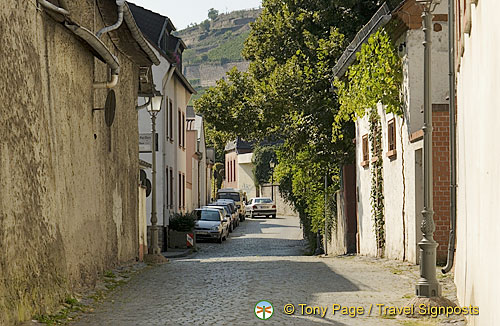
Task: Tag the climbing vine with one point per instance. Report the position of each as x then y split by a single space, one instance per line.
377 180
376 78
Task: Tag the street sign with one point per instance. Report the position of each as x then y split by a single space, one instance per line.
190 239
145 143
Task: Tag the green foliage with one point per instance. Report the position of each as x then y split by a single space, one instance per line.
375 78
205 25
262 156
219 172
377 180
182 222
213 14
292 48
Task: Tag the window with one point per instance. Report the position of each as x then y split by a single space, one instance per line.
183 130
183 190
180 189
391 135
167 190
366 154
391 139
171 188
171 120
179 128
234 170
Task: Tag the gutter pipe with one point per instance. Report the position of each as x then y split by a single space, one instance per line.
103 51
453 145
121 5
92 40
54 8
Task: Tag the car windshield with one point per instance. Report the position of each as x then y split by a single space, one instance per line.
229 195
208 215
263 200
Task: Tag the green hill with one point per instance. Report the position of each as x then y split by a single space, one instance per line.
214 47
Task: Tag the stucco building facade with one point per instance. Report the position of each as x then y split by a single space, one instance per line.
478 194
171 161
402 143
69 174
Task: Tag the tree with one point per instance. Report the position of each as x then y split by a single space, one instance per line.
213 14
286 94
205 25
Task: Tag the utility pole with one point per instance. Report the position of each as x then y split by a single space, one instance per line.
428 285
326 213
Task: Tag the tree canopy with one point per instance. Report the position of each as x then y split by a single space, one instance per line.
287 94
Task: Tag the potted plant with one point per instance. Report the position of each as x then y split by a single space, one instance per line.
180 225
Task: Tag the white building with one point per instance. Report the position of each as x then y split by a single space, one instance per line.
478 192
402 141
171 120
200 161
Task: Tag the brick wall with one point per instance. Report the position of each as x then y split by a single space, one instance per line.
441 173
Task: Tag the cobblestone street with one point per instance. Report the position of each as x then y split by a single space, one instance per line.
263 259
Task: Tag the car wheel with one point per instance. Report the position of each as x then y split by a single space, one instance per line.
231 228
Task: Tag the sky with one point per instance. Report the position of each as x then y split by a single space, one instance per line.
184 12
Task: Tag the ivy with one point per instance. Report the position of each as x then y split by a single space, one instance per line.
377 181
375 78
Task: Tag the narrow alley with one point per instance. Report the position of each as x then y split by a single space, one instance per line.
262 260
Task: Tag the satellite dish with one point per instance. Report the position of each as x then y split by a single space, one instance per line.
109 108
148 187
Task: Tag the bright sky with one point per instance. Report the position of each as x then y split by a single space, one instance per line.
184 12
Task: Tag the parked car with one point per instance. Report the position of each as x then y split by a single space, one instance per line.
211 224
238 196
232 206
261 206
233 213
225 212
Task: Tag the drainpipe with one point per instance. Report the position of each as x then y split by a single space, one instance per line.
121 5
103 51
92 40
54 8
453 145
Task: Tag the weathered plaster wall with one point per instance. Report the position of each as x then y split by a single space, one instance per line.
478 193
68 199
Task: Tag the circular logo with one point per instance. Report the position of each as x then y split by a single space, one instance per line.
263 310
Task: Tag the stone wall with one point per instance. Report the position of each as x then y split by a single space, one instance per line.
68 183
208 74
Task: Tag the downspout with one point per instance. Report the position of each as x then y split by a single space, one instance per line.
453 145
103 51
164 152
121 5
92 40
54 8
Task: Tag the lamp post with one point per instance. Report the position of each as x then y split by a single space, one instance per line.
154 108
272 165
428 286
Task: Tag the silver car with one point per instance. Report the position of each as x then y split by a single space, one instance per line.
211 224
261 206
225 212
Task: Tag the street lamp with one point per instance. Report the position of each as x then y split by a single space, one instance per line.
272 165
428 285
154 108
